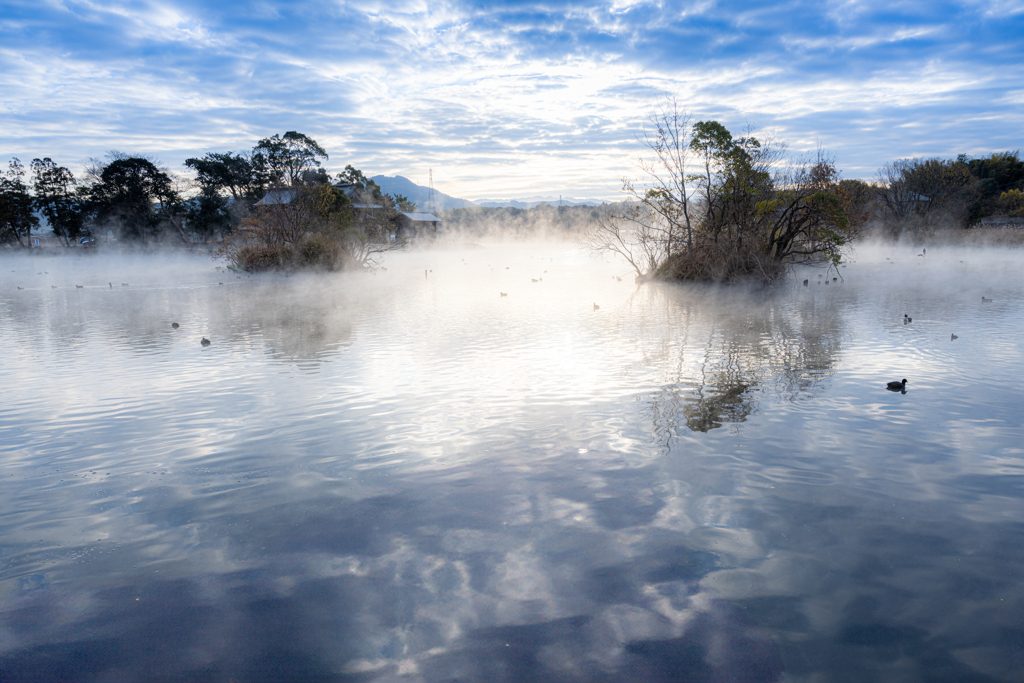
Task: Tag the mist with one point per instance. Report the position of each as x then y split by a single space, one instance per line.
505 460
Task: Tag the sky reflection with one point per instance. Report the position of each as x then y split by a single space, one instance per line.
397 477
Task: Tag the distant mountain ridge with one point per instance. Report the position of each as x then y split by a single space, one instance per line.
393 185
418 194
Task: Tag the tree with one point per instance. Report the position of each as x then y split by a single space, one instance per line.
995 175
919 193
16 216
403 204
133 193
56 199
236 174
207 213
738 215
1011 203
656 220
287 157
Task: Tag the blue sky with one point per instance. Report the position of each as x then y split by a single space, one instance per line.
506 99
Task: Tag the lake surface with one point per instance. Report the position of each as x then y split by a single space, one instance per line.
404 476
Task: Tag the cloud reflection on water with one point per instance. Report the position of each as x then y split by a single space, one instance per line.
428 510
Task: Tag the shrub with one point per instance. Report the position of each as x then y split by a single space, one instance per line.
261 256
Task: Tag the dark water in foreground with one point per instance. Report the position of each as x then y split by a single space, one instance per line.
409 478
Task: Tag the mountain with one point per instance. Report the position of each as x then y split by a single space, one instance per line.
418 194
530 202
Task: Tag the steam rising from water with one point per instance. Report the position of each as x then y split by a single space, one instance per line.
405 475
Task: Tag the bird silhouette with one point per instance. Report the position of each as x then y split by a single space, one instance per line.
953 337
897 386
205 342
503 294
174 326
907 319
596 307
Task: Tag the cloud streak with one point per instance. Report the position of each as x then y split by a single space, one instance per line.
506 98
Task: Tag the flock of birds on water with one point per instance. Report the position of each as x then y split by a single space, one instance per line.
900 386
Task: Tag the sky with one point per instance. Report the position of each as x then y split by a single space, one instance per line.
506 99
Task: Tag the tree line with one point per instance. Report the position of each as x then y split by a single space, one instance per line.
915 195
134 197
718 207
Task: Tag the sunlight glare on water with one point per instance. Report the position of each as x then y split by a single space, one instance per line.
406 476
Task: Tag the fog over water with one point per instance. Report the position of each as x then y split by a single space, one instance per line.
405 476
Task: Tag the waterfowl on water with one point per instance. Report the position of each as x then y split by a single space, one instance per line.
174 326
907 319
503 294
596 307
805 283
986 301
897 386
953 337
205 342
79 286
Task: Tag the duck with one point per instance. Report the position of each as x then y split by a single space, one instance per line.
174 326
206 342
986 301
805 283
907 319
79 286
897 386
503 294
953 337
596 307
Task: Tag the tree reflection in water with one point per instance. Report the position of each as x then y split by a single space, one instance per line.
720 350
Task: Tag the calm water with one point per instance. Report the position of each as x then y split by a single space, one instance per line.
407 477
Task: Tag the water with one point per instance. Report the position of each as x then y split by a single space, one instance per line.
407 477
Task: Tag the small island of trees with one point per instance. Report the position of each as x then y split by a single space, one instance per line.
271 207
720 208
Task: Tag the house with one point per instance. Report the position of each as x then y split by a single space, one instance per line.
350 191
278 195
416 224
408 224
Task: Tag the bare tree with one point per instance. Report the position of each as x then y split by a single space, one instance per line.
656 219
